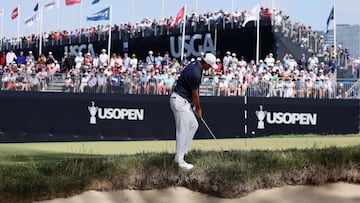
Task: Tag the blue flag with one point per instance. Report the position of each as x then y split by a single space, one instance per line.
330 18
95 1
101 15
36 8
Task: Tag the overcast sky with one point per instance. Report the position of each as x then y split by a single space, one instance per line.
312 13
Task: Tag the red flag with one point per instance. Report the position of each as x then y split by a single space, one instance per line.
72 2
179 17
15 13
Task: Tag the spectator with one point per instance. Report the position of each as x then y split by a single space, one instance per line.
101 81
88 61
34 82
116 83
103 58
303 63
10 57
151 85
269 60
92 82
84 82
150 60
340 92
30 57
42 59
227 60
3 59
79 61
133 63
69 62
96 62
126 62
50 59
233 87
69 85
21 58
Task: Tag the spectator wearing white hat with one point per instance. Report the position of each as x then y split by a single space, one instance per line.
150 60
30 57
103 58
269 60
234 61
226 61
79 61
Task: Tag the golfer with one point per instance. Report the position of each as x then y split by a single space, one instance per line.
184 96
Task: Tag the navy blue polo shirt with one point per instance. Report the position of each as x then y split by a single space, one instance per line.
189 80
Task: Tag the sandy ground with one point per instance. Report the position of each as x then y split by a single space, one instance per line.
330 193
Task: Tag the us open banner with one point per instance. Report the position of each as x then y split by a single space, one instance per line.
46 117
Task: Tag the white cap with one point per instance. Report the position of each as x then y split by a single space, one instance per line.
150 52
211 60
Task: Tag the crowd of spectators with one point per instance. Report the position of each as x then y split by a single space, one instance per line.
157 73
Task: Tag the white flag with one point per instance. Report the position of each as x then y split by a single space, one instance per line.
51 5
31 19
252 16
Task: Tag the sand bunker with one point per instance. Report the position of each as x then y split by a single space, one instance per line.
330 193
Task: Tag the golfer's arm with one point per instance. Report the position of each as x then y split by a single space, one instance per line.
196 102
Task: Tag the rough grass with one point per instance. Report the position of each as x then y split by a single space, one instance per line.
42 176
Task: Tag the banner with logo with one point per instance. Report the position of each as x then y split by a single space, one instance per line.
46 117
274 116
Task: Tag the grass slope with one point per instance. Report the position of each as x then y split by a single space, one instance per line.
30 173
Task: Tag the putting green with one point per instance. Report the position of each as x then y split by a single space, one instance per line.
132 147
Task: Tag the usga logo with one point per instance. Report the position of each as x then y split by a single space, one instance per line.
114 113
284 118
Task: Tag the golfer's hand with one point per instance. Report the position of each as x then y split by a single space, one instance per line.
198 112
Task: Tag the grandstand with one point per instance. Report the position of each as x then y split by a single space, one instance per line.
281 72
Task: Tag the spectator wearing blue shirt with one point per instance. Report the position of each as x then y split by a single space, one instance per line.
21 58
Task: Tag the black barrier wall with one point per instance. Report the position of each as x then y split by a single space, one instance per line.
235 40
37 117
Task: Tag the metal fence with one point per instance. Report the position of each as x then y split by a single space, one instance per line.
308 89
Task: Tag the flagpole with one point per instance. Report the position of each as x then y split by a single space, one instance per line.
41 36
132 12
18 23
109 42
81 14
183 35
257 33
162 9
232 6
335 50
196 7
2 26
57 4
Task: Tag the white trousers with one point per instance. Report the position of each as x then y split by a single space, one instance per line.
185 122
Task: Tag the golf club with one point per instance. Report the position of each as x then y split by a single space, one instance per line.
212 134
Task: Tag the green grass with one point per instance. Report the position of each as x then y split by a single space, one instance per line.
38 171
132 147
